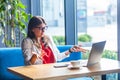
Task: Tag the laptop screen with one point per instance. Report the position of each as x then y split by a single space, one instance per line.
96 53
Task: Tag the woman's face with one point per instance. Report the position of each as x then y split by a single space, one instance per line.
39 30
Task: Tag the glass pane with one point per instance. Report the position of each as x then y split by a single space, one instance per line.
97 21
53 12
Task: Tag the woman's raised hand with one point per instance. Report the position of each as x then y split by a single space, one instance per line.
77 48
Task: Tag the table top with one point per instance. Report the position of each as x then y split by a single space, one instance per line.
49 72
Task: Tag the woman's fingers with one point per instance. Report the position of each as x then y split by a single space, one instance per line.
77 48
42 54
83 50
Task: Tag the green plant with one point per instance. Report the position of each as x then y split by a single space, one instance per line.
12 20
109 54
59 40
84 38
106 54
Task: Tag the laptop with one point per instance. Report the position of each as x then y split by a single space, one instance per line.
95 54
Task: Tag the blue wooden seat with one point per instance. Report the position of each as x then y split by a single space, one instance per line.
82 78
11 57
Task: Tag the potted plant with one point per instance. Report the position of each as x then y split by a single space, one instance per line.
12 21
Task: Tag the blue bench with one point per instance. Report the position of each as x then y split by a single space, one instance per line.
12 57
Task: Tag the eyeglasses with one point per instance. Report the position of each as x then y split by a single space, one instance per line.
42 28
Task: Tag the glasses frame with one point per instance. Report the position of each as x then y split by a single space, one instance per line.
42 28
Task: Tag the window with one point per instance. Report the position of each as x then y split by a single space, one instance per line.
53 12
99 22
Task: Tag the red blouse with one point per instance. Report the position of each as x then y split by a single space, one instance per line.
48 57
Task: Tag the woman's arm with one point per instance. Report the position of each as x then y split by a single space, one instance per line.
29 52
59 56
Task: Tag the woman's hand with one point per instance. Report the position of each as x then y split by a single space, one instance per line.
42 54
33 58
77 48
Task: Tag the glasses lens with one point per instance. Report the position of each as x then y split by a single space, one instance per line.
46 27
42 28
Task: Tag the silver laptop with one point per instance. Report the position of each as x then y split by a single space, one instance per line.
95 53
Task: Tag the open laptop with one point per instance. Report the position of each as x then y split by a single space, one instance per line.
95 53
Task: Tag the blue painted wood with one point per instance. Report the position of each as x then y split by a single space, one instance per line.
70 22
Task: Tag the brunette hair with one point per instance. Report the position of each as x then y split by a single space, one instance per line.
34 22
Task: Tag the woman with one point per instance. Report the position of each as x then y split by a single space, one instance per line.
39 48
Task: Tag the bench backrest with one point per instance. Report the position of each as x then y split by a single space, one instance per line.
12 57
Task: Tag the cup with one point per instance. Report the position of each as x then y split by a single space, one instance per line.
75 63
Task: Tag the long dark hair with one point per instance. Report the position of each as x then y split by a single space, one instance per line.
34 22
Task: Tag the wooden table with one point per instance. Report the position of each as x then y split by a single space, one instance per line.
48 72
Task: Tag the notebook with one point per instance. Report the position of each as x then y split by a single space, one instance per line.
95 54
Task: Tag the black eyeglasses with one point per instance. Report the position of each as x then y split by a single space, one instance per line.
42 28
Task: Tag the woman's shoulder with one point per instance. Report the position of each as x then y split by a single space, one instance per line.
27 40
26 43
